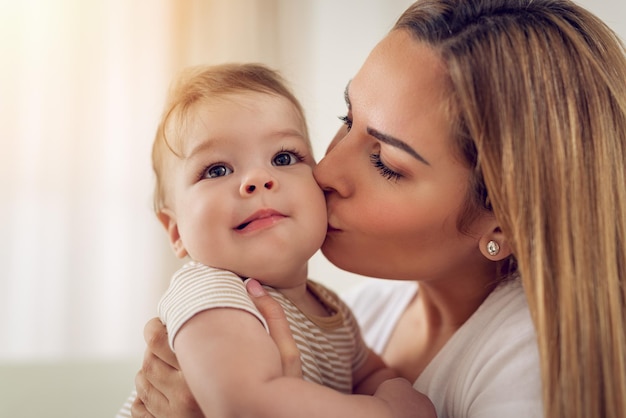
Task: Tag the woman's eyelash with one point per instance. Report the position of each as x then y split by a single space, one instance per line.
384 171
346 121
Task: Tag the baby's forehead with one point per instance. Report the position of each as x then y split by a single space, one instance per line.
242 99
212 121
225 109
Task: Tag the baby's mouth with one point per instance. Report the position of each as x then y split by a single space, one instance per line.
261 218
242 226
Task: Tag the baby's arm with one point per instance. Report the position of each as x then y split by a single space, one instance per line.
233 368
374 377
371 374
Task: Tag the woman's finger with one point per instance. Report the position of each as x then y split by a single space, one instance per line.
155 335
155 377
138 410
279 328
161 388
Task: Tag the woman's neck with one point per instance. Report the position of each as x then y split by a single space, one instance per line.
436 312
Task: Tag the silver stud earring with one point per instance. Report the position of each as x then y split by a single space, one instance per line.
493 248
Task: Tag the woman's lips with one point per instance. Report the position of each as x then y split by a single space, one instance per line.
259 220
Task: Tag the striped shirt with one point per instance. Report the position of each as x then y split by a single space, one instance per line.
331 347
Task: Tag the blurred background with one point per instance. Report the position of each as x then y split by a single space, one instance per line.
83 259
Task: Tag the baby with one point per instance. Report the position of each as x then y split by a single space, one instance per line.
236 194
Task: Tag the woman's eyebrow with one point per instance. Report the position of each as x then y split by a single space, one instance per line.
346 94
395 142
387 139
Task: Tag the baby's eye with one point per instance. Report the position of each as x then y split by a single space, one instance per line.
216 170
286 158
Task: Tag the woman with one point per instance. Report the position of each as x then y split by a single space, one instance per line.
484 151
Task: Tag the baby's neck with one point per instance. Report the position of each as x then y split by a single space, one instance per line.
305 300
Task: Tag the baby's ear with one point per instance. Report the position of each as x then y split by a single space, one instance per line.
168 220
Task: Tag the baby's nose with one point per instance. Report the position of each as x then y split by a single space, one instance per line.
250 188
257 180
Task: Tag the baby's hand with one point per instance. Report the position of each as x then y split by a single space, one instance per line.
404 401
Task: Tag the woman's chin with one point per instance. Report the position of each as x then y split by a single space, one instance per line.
340 257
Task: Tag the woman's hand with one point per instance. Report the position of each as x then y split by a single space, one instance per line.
161 388
279 328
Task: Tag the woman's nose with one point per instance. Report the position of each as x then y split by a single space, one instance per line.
335 171
257 181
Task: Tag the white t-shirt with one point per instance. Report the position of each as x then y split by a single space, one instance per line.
488 369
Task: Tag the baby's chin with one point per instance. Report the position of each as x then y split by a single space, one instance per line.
276 268
276 277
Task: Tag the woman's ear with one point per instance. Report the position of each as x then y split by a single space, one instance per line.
494 245
168 220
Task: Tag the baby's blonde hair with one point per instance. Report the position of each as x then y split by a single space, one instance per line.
198 84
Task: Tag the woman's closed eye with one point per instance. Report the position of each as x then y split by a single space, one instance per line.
377 162
383 169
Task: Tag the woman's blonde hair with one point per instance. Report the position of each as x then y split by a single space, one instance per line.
538 91
197 85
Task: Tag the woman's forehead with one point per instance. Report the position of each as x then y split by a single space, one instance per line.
402 90
402 62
